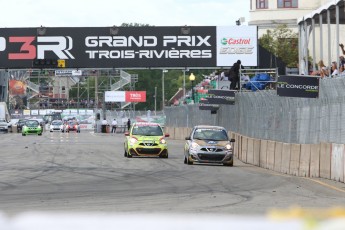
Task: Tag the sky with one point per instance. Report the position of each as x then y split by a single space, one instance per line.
103 13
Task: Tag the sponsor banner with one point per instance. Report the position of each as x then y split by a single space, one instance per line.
125 96
237 43
121 47
68 72
17 87
135 96
298 86
216 96
115 96
208 107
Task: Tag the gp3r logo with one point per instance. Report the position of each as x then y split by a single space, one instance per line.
60 45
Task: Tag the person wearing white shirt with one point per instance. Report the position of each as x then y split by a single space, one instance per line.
114 126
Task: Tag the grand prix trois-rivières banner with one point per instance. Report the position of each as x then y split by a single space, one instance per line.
129 47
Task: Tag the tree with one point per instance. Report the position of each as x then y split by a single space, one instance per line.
283 43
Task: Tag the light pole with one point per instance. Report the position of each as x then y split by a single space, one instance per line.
192 79
163 90
155 100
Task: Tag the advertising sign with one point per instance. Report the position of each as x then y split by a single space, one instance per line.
298 86
125 96
221 97
135 96
125 47
17 87
237 43
208 107
68 72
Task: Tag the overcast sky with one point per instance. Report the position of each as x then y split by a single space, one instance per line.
101 13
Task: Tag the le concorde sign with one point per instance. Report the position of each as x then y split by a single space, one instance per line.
126 47
298 86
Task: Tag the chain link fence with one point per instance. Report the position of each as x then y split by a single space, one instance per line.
264 115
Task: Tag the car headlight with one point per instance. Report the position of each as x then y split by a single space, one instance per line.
194 145
162 141
228 146
133 140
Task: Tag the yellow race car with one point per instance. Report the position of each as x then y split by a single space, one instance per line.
146 139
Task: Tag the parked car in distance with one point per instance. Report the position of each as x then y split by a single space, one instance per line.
209 144
32 127
146 139
56 125
72 126
20 124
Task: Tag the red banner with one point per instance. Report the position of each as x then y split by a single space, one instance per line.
17 87
135 96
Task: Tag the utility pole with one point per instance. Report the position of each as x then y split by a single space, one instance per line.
155 100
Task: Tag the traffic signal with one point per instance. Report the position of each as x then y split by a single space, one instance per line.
44 63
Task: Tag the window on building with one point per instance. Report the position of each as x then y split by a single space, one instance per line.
287 3
261 4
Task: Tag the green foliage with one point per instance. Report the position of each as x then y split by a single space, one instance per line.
283 43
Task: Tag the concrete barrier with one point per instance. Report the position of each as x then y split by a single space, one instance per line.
244 146
304 161
337 162
270 154
314 160
278 156
286 155
294 159
263 154
257 152
325 160
250 151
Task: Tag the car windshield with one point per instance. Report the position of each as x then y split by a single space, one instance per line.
57 123
31 123
210 134
147 131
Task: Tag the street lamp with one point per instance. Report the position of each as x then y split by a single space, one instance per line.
163 96
192 79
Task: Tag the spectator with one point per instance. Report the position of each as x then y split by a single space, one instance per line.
113 126
323 69
128 124
341 61
334 69
342 48
234 73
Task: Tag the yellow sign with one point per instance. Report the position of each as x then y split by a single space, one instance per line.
61 64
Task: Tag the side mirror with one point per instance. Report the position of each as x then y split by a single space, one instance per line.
232 140
167 135
126 133
187 138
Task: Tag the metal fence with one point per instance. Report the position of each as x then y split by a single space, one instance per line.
264 115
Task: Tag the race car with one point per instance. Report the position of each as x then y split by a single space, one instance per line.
32 127
210 145
146 139
56 125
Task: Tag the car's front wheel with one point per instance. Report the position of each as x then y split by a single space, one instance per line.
189 160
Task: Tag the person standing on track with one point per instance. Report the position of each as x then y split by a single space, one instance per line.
114 126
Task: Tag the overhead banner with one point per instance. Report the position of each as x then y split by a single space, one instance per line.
226 97
298 86
126 47
125 96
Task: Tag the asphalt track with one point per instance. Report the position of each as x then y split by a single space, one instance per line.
87 172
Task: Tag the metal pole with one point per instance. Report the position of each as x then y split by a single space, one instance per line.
155 100
163 99
329 38
321 37
313 34
193 93
78 95
337 31
184 83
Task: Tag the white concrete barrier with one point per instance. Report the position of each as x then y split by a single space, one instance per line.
270 154
250 151
286 155
294 159
257 152
304 161
325 160
337 162
244 146
263 154
315 160
278 156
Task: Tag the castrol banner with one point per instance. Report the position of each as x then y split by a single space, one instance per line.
237 43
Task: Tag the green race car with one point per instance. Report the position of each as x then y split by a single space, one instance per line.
146 139
32 127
